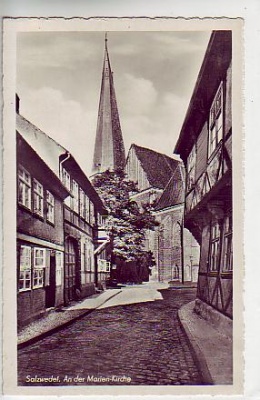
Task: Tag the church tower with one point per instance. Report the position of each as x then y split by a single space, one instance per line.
109 146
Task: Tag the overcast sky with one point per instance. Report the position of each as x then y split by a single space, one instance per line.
59 79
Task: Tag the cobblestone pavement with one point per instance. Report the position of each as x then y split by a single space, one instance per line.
140 344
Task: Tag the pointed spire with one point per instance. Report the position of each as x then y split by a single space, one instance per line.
109 146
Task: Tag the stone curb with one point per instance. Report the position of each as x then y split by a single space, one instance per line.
55 329
196 351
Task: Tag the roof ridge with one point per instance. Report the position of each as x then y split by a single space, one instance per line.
45 134
154 151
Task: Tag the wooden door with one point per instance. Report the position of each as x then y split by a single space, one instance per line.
70 270
50 289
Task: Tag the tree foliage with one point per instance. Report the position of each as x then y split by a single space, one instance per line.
126 222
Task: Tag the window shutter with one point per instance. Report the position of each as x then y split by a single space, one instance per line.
47 268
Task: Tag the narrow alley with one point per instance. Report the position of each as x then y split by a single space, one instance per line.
133 344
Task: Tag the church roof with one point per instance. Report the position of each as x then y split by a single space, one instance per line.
158 167
173 193
109 150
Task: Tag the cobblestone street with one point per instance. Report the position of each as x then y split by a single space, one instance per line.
142 341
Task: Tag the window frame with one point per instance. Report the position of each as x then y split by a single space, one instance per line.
75 196
50 205
88 261
215 122
214 246
191 167
91 213
24 184
82 205
87 209
25 269
38 198
38 270
227 256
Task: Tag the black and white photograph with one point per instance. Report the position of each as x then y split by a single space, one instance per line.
124 193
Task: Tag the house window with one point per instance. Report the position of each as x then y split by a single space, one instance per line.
75 198
39 265
216 121
91 213
175 272
25 268
66 182
87 208
191 168
37 198
88 250
101 221
81 203
227 245
50 206
24 187
66 179
214 246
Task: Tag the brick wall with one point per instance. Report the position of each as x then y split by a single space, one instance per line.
30 305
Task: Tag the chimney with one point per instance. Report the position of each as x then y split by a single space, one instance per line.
17 103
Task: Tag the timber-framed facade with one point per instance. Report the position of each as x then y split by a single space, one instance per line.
205 146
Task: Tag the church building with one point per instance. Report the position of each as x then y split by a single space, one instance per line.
109 153
158 177
160 180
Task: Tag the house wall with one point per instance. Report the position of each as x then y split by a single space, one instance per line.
35 232
209 201
31 224
30 306
33 303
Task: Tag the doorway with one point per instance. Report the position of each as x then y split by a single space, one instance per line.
51 288
70 271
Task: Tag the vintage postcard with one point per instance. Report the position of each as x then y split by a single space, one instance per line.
123 206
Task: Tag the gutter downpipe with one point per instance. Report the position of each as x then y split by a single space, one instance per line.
63 161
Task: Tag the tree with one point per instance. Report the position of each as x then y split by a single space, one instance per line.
127 224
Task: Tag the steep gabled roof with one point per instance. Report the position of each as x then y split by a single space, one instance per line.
158 167
109 145
52 153
47 148
213 69
173 193
30 159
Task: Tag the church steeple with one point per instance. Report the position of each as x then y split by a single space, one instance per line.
109 146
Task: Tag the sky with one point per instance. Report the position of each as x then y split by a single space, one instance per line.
59 81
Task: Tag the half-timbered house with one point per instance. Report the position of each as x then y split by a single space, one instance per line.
205 146
40 235
77 223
